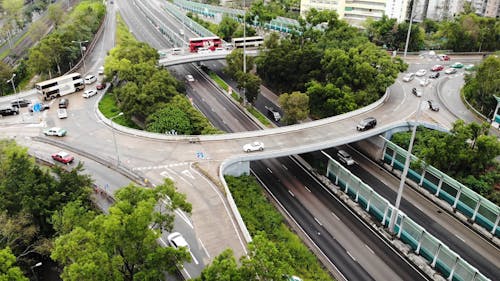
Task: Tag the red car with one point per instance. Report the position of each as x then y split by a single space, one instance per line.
437 67
100 86
63 157
444 57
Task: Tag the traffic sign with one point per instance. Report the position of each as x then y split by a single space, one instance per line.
37 107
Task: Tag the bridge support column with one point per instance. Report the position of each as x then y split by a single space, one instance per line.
438 189
476 210
457 198
239 168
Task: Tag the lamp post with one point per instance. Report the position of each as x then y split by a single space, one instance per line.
33 271
11 80
244 53
409 28
81 51
395 211
114 138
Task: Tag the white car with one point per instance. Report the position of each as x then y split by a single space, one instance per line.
189 78
89 93
450 70
254 146
62 113
89 79
408 77
55 131
421 72
425 82
176 240
345 157
100 71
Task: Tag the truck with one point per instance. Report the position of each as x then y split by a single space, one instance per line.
273 113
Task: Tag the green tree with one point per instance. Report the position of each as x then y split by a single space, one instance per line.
234 62
223 268
167 119
481 88
328 100
123 244
227 27
56 13
251 83
8 271
295 106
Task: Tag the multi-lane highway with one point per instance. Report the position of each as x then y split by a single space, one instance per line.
172 159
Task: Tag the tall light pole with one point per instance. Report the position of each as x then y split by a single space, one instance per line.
33 271
409 27
395 211
11 80
114 138
81 51
244 52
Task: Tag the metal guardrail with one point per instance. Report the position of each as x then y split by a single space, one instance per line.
440 257
186 21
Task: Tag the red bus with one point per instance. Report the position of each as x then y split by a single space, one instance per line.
204 42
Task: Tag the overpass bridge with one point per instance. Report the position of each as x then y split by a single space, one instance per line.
187 57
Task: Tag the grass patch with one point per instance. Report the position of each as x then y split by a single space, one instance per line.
236 97
219 81
259 116
108 108
123 35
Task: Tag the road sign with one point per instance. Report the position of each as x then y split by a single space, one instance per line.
37 107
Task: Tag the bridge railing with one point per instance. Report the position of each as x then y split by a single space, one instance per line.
462 199
438 255
187 22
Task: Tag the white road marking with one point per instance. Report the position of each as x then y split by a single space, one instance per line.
307 188
187 273
369 249
269 170
184 218
187 174
204 249
318 221
194 258
163 242
166 175
463 240
284 167
335 216
352 257
291 193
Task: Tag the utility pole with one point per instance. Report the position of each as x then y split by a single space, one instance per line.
81 51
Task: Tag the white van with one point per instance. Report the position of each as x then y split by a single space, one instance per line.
177 51
345 157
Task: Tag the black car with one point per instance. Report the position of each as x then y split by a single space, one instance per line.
63 103
20 103
366 124
4 111
433 105
434 75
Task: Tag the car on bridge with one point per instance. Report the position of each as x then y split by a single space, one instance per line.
63 157
253 146
367 123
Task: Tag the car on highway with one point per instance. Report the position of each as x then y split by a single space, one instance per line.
437 67
345 157
100 86
408 77
89 79
433 105
457 65
176 240
367 123
55 131
100 71
63 157
434 75
43 106
9 110
425 82
443 57
62 113
20 103
89 93
421 72
253 146
189 78
416 92
450 70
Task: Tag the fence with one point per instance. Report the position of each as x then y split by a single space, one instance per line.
439 256
461 198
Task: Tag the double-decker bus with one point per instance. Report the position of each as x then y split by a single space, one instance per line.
248 42
204 42
60 86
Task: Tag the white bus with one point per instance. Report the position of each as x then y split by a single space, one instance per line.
60 86
248 42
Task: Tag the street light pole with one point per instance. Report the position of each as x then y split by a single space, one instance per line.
114 138
81 51
244 53
395 211
11 80
33 271
409 27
